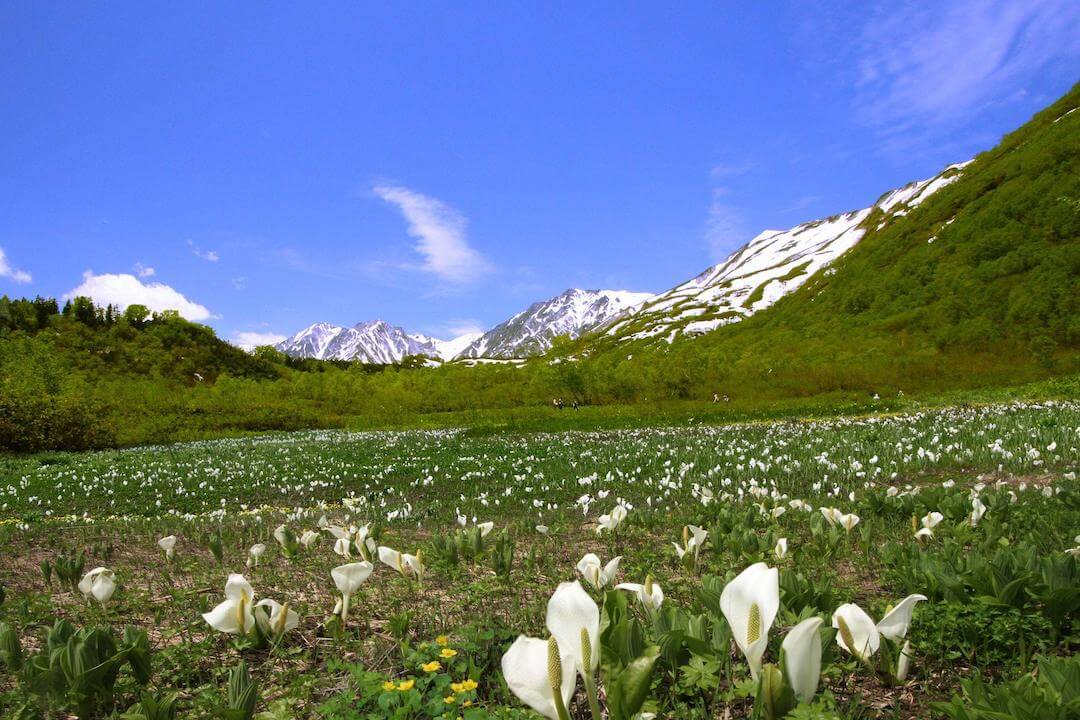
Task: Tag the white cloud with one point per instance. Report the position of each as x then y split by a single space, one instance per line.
122 290
207 255
144 271
440 235
14 274
251 340
930 63
457 328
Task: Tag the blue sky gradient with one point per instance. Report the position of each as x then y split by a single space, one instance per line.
441 166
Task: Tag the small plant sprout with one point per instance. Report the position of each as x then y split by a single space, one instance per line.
348 579
597 574
99 584
168 545
750 603
235 615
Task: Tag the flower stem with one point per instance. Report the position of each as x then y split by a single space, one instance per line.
590 692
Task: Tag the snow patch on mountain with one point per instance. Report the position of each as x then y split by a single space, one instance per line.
572 313
770 266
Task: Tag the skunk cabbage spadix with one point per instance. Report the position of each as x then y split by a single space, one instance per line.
235 615
802 658
535 674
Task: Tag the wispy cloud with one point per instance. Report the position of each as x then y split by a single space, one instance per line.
144 271
207 255
13 274
456 328
122 290
439 231
800 204
725 228
249 340
927 64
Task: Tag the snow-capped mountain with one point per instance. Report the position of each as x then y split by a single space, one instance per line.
369 342
773 264
574 313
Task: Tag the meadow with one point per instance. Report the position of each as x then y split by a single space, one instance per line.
914 565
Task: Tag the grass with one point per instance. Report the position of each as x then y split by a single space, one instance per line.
412 487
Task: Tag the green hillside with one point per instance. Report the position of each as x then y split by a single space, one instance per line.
980 283
977 287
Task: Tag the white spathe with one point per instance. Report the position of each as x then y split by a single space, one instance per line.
569 611
525 668
802 658
750 603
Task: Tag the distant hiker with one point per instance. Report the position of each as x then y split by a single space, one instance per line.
557 402
575 404
715 397
726 398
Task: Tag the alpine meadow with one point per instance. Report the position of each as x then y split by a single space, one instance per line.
833 476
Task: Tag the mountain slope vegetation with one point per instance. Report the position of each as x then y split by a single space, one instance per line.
976 287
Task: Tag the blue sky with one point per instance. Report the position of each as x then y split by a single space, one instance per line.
443 165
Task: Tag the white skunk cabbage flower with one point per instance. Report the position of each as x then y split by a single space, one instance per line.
275 618
693 539
348 579
977 511
99 583
650 595
931 520
343 547
404 563
485 528
540 675
168 544
611 521
309 538
848 521
802 658
597 574
236 614
254 553
862 638
573 618
750 603
780 551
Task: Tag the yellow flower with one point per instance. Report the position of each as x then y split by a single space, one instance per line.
449 699
469 684
442 641
467 703
448 652
406 684
389 686
431 666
